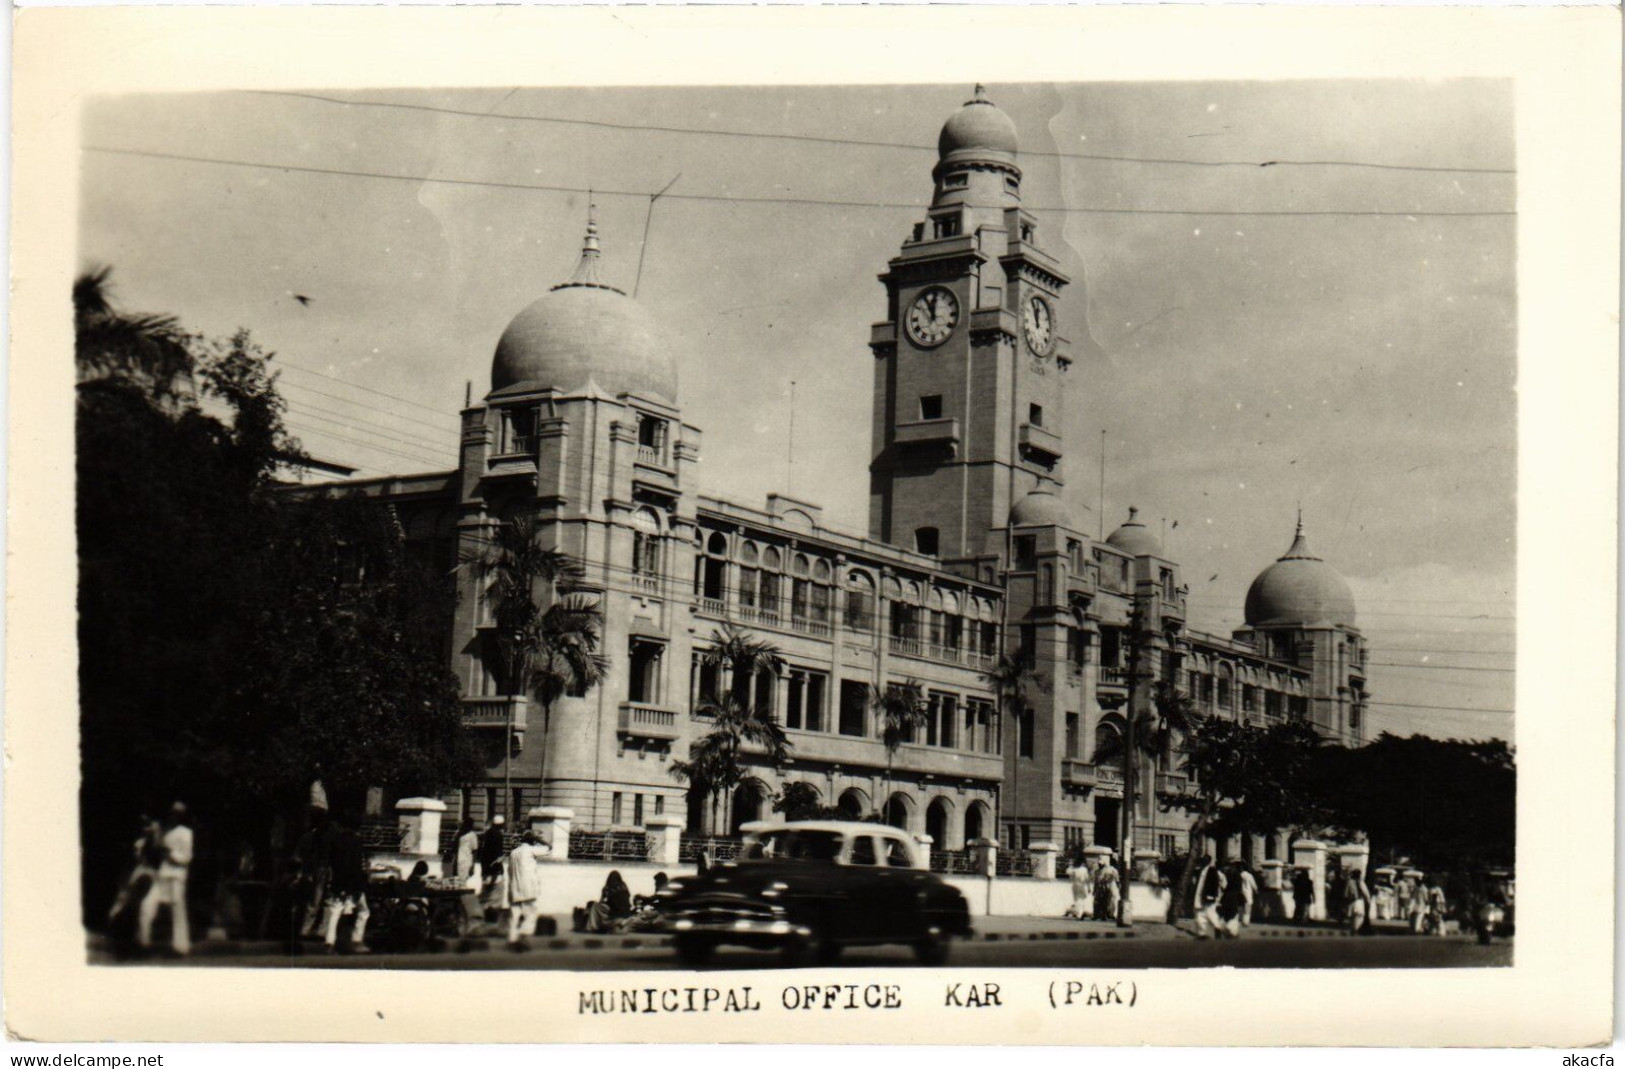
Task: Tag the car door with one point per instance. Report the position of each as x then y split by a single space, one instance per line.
898 899
862 920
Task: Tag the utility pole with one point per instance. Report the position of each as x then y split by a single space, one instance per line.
1131 758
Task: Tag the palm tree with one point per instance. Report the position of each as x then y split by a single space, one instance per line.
901 711
1158 731
1013 678
546 652
112 344
735 650
714 766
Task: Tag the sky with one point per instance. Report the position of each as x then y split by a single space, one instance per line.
1258 325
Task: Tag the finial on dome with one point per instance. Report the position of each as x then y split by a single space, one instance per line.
981 95
1300 521
586 272
1300 544
1132 512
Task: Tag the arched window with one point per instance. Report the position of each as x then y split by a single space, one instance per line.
953 626
820 592
860 602
1106 754
767 589
1046 585
714 573
748 559
646 543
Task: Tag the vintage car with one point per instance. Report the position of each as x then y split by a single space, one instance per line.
810 888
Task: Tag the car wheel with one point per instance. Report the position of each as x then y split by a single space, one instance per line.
932 947
694 952
814 948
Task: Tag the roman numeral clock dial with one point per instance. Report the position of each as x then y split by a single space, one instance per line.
1038 324
932 317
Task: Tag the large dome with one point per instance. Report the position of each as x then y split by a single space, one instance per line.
1040 507
585 331
976 130
1300 589
1134 539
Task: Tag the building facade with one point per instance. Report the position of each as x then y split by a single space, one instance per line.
971 557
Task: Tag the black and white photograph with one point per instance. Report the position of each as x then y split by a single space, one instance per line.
768 540
638 582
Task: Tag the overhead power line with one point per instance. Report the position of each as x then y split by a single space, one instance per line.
721 199
602 124
1441 667
1445 708
446 432
356 385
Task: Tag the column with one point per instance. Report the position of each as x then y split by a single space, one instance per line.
552 825
1044 855
1311 854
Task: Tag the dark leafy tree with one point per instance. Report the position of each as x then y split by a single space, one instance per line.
715 762
1442 802
229 650
801 801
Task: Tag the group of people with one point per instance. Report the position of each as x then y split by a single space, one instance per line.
616 909
1224 897
1096 891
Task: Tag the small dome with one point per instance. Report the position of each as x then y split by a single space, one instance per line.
1300 589
1041 507
1134 539
584 331
977 129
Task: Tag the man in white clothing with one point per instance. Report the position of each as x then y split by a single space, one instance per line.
524 888
1210 884
169 886
1249 892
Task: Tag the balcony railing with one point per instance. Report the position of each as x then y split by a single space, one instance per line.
495 712
652 454
714 606
1113 677
809 627
648 721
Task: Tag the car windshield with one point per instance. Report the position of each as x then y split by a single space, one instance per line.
796 845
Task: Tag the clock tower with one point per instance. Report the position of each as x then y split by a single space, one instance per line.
970 361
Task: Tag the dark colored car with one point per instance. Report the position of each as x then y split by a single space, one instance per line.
810 888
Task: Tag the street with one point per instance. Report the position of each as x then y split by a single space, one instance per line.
1168 952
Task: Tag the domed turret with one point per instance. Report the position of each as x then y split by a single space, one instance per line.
585 331
977 130
1300 589
1134 539
1042 506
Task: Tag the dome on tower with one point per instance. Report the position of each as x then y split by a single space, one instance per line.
975 130
1041 507
1301 589
585 331
1134 538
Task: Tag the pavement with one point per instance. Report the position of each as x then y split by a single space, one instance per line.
581 945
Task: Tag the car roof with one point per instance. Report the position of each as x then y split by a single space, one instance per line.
841 827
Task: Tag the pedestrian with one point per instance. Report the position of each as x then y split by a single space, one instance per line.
646 910
493 846
1404 890
1106 891
1083 891
1357 902
1249 892
1438 906
1209 889
346 889
310 856
1416 906
169 884
465 851
146 853
1303 895
524 889
614 904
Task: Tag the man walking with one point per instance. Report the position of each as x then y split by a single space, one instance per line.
1210 884
1303 895
492 847
346 889
524 889
169 885
1249 892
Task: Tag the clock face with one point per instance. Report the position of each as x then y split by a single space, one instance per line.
1038 324
932 316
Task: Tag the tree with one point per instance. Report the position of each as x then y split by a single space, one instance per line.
714 765
1013 678
228 647
1444 803
801 801
543 648
901 711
